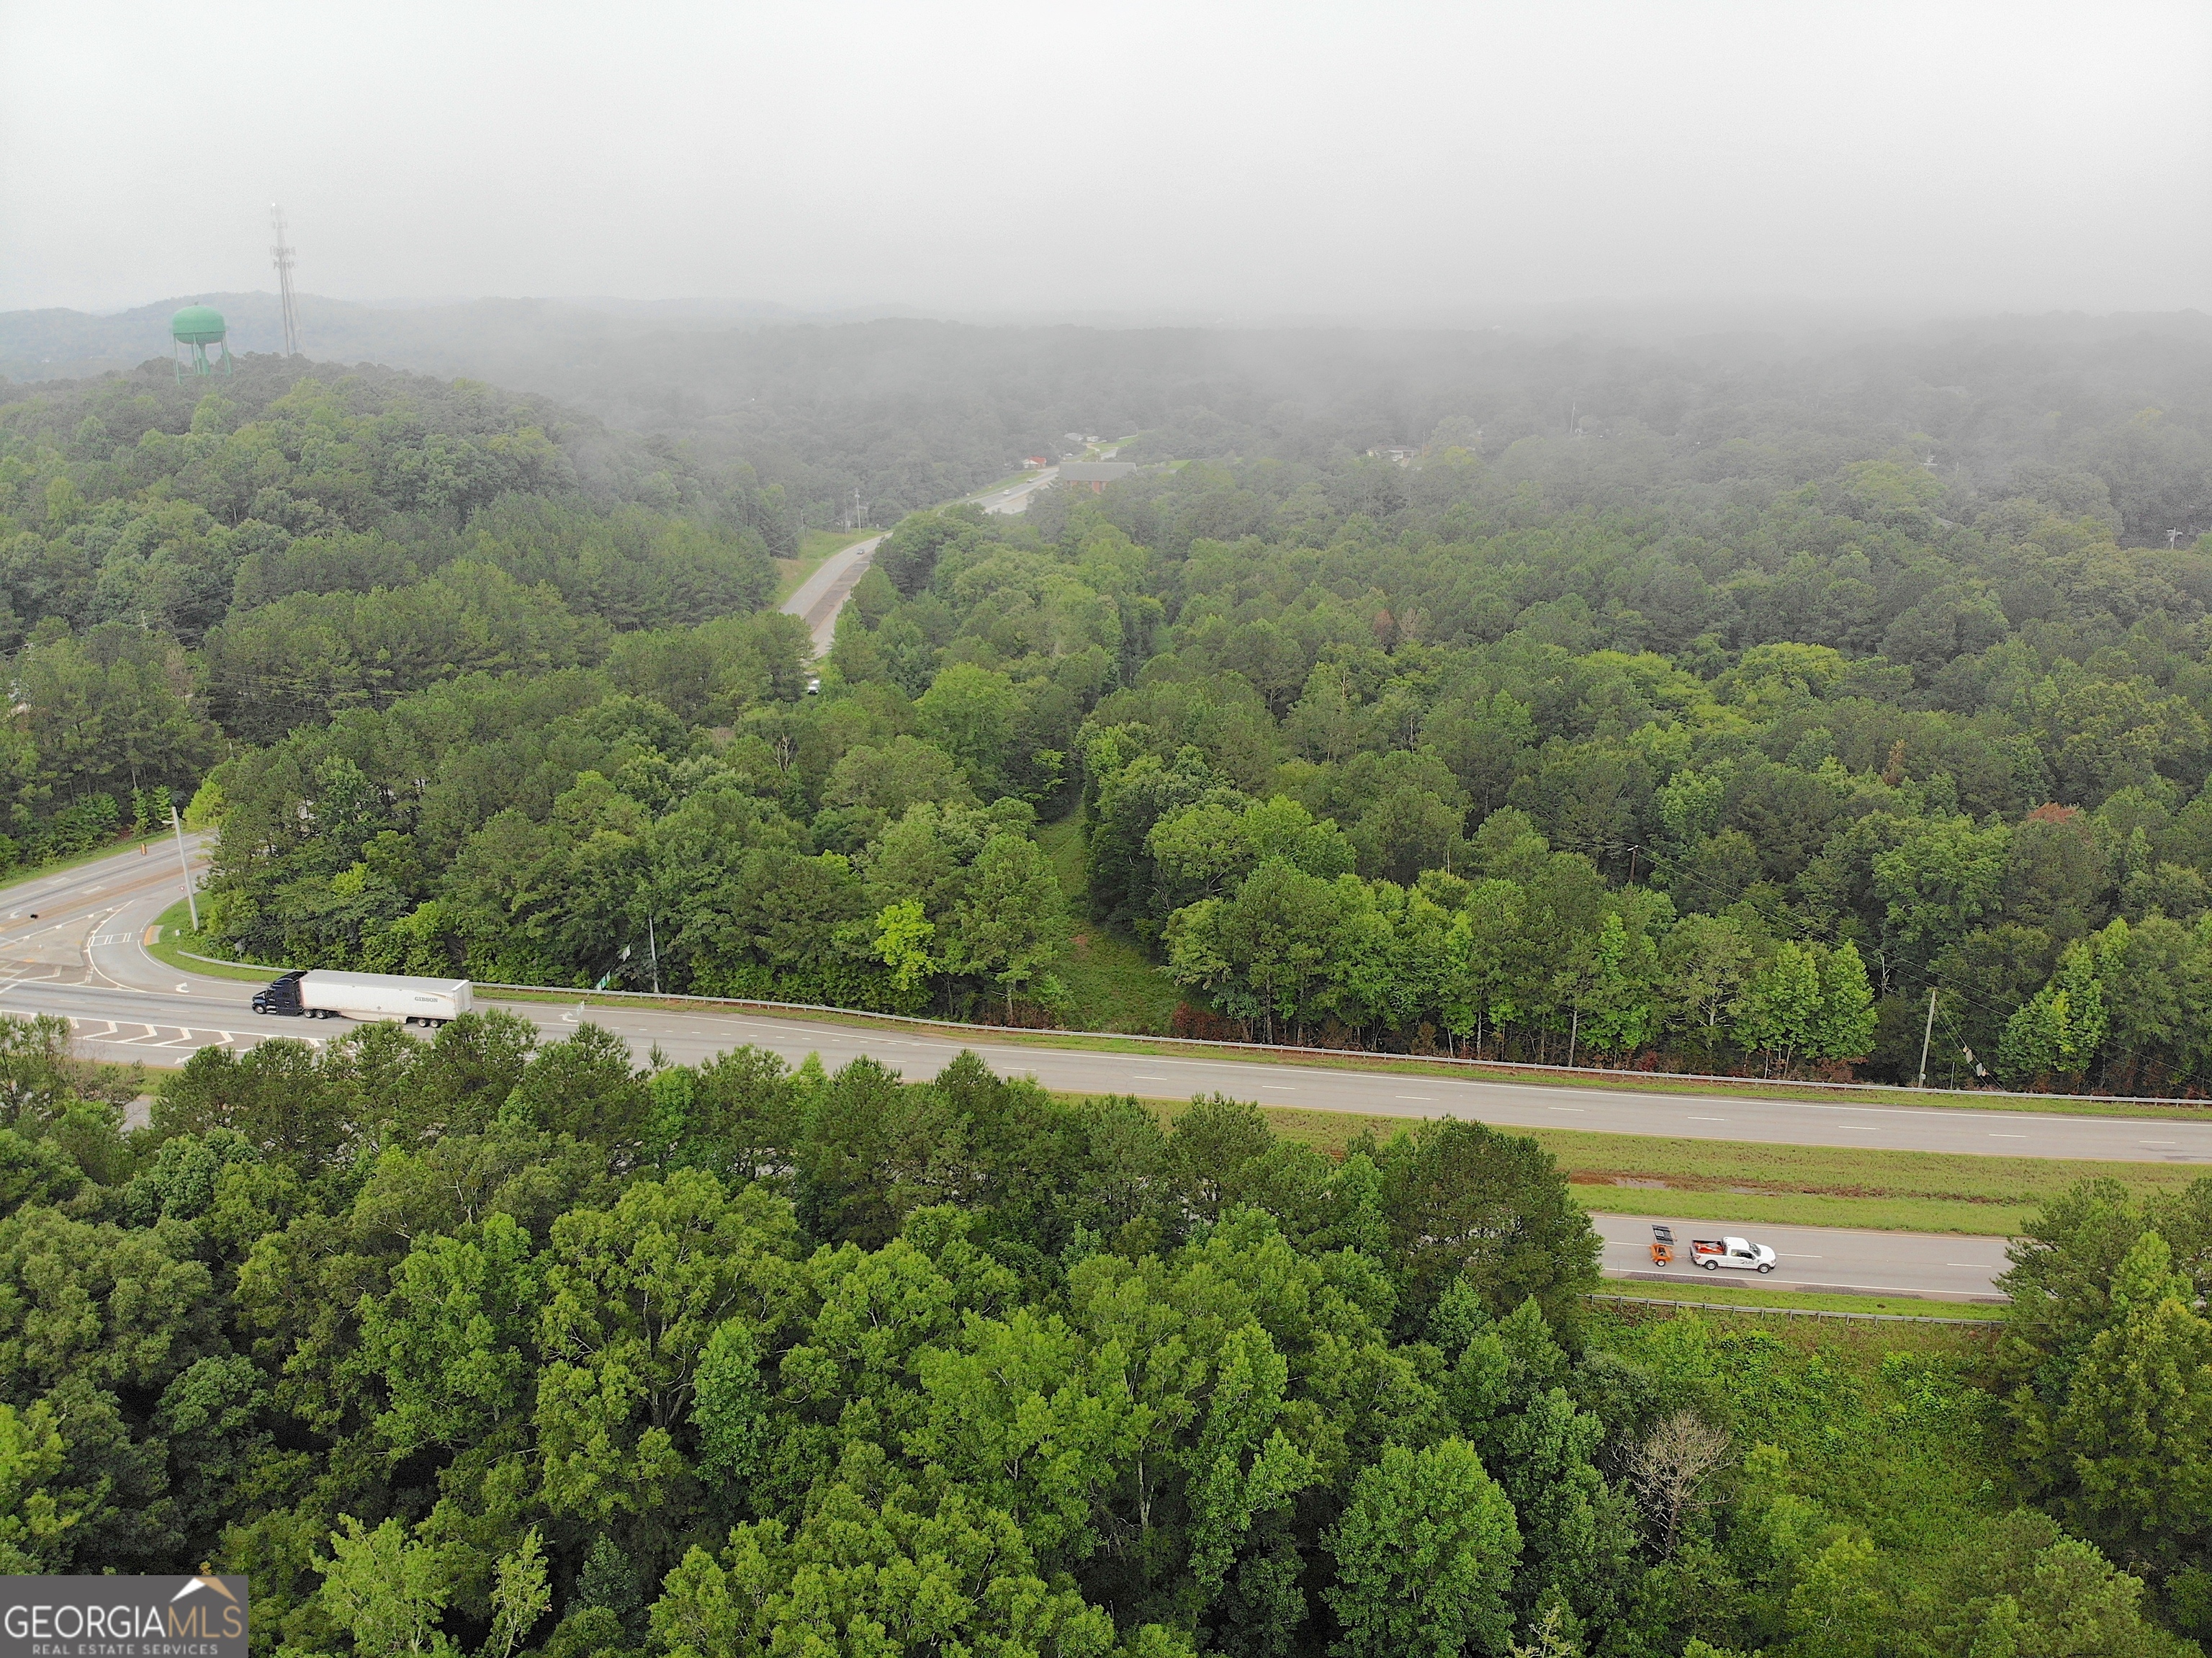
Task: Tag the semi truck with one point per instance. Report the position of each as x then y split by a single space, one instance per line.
323 995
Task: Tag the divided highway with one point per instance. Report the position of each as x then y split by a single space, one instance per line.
73 944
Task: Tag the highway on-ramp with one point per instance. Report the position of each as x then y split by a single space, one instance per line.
73 944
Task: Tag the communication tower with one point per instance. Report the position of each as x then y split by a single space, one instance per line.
192 330
282 250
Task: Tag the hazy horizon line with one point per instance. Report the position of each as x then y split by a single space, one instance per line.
1474 317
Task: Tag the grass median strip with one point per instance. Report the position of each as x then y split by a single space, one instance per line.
1799 1185
1695 1169
1712 1300
815 547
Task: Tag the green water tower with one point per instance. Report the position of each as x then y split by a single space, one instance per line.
194 329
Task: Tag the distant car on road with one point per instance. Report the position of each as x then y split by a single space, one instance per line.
1713 1254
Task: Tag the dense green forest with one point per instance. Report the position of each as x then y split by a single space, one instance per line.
1713 723
1605 747
470 1346
183 571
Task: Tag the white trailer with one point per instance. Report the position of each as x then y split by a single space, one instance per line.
325 995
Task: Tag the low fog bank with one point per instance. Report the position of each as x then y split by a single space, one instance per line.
907 411
566 346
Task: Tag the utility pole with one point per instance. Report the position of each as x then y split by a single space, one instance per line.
653 946
283 251
184 864
1924 1036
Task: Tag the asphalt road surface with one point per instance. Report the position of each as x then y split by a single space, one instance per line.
1015 497
822 594
1819 1260
72 944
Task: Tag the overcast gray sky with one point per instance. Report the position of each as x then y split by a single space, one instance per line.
1366 160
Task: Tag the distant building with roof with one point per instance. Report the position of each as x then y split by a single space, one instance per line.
1096 474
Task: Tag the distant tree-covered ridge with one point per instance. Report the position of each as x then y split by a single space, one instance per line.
908 413
185 569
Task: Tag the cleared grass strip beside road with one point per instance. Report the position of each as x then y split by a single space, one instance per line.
814 546
176 945
1799 1185
1723 1300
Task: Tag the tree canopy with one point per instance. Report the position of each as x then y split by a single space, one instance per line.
474 1344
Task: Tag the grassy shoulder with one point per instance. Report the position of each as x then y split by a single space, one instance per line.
814 546
997 483
1791 1186
176 945
1622 1296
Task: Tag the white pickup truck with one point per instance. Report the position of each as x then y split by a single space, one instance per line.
1715 1253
